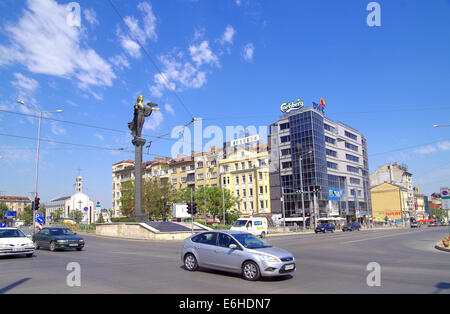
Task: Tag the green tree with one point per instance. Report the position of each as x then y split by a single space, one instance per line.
3 208
127 198
57 215
26 215
213 200
100 218
158 197
76 215
183 195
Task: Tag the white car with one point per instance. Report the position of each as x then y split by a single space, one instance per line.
14 242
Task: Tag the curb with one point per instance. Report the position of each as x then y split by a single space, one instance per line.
440 248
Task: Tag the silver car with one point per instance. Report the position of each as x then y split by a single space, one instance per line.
237 252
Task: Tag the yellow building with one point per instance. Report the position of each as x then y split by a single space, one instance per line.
16 203
245 172
390 200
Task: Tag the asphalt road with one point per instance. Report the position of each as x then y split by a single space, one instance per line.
326 263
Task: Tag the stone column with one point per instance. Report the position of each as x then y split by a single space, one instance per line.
138 212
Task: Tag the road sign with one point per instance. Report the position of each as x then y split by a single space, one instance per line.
39 218
86 209
3 225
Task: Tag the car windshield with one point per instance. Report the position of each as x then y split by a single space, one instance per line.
11 233
60 232
240 223
250 242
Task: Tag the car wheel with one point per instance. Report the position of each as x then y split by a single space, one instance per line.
190 262
30 255
250 271
79 248
263 234
52 246
36 246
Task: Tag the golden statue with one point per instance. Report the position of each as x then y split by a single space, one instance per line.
140 113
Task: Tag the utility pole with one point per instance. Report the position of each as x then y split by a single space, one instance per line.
37 154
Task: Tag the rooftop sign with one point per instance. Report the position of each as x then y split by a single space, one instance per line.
289 106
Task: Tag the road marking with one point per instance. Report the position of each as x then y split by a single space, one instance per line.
388 235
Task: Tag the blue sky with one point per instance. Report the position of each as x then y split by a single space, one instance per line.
231 63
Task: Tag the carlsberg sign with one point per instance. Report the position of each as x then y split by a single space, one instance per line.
288 106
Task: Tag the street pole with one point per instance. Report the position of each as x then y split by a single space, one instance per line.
37 155
223 205
303 199
192 215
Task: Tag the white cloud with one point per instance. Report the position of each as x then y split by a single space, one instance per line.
90 16
248 51
25 83
176 76
169 109
44 43
99 136
238 2
202 54
154 121
120 62
142 34
426 150
57 129
227 37
444 145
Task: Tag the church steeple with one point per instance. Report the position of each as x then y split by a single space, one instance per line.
79 184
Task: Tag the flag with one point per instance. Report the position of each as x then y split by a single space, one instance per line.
322 102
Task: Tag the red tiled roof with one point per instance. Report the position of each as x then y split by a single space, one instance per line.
14 198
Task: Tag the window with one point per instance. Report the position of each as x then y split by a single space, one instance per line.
285 152
243 179
284 126
174 170
206 238
328 127
237 180
261 204
351 146
332 165
260 190
224 240
250 192
351 158
285 139
236 167
351 135
330 140
355 181
352 169
286 165
250 178
331 153
200 164
174 181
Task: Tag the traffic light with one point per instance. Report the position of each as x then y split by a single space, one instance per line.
36 203
32 205
192 208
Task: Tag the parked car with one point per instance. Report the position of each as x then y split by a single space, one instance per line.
57 239
14 242
237 252
325 227
415 224
351 227
433 224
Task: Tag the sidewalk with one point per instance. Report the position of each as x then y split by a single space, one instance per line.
274 233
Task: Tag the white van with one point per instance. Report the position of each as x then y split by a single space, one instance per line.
254 225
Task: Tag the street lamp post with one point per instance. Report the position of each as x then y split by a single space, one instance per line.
37 152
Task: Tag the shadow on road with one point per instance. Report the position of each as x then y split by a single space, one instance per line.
239 276
13 285
441 286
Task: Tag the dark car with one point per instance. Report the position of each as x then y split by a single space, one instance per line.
415 224
351 227
325 227
57 239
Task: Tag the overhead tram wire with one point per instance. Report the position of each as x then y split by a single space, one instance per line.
151 59
75 144
157 137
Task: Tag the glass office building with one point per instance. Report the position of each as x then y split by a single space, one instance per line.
325 160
